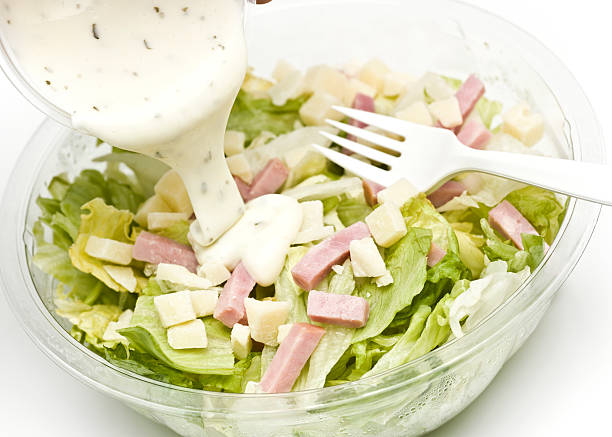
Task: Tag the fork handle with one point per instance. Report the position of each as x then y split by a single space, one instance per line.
584 180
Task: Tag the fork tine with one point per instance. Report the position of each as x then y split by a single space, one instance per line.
366 151
356 166
389 124
368 135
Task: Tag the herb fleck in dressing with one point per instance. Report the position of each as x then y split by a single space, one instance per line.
77 54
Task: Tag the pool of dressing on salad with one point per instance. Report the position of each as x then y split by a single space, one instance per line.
157 78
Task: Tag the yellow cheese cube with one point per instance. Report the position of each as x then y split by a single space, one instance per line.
282 69
123 276
174 308
204 302
153 204
447 112
373 73
436 87
188 335
111 334
395 83
366 259
234 142
416 113
358 87
322 79
386 224
181 276
172 190
241 341
523 125
215 272
112 251
161 220
283 331
264 319
384 280
318 108
398 193
288 88
239 166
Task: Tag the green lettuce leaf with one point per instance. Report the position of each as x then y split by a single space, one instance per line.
406 260
244 371
352 210
93 321
488 110
418 212
286 290
177 231
147 334
541 208
104 221
333 344
253 115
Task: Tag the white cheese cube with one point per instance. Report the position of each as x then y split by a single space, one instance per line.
386 224
523 125
436 87
241 341
172 190
312 215
112 251
174 308
373 73
472 181
252 387
384 280
181 276
318 108
314 234
153 204
264 319
161 220
215 272
398 193
123 276
294 156
416 113
188 335
358 87
323 79
111 334
204 302
239 166
447 112
366 259
234 142
288 88
395 83
282 69
283 332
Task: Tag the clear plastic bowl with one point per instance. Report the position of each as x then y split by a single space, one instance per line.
438 35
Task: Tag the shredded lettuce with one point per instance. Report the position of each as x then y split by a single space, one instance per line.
286 290
488 110
147 334
177 231
352 210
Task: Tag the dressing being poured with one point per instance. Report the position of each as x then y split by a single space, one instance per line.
157 78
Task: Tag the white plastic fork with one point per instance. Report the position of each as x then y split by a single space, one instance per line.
429 156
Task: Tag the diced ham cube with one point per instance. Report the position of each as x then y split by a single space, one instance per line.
474 134
362 102
468 95
243 187
509 222
338 309
319 260
371 190
156 249
270 179
435 255
230 307
290 358
446 193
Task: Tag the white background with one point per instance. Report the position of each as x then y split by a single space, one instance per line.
558 384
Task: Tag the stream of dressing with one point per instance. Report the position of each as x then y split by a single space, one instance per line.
155 77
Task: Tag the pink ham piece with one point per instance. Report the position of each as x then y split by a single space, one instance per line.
435 255
270 179
156 249
338 309
446 193
468 94
230 307
319 260
474 134
508 221
243 187
290 358
371 190
363 103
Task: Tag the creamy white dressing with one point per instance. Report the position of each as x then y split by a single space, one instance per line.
157 78
260 239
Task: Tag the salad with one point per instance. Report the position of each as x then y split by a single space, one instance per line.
326 278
